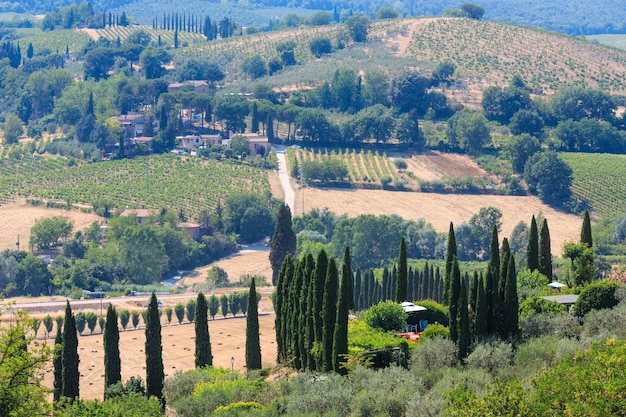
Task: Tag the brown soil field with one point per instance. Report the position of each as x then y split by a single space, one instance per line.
18 217
441 209
242 263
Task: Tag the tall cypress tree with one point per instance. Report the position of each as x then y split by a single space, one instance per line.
385 284
321 269
451 253
506 254
453 308
294 316
494 251
410 288
204 356
254 122
112 362
347 269
253 343
545 251
585 232
340 335
310 322
154 351
393 284
402 274
70 359
472 298
532 250
283 241
329 315
511 303
480 323
57 362
358 291
278 305
464 325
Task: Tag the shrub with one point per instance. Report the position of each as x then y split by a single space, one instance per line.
600 324
400 163
563 325
435 331
388 316
596 296
537 305
385 180
491 356
435 313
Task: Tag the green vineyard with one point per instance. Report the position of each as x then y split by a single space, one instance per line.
599 180
188 184
167 36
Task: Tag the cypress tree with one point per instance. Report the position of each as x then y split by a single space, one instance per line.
410 287
371 289
453 308
283 241
57 362
480 321
511 303
295 307
545 251
70 359
532 250
154 351
253 343
310 322
279 299
309 266
402 274
329 315
112 362
585 232
358 291
347 269
464 324
451 253
440 285
385 284
321 269
392 284
254 123
204 356
506 254
473 296
494 251
340 335
270 127
490 310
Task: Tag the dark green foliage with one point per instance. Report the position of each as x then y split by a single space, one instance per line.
359 299
450 256
70 359
549 177
154 351
179 310
494 252
453 302
595 297
280 301
204 357
480 324
358 25
532 250
545 251
214 305
191 310
511 303
340 336
321 268
585 232
402 277
464 324
112 362
253 344
387 316
329 315
283 241
57 362
224 305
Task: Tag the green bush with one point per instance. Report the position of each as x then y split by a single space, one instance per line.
538 305
400 163
435 313
362 336
387 315
595 297
435 331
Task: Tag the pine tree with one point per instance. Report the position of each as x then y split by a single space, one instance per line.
402 274
451 253
585 232
112 362
532 250
283 241
464 324
204 356
511 303
340 335
545 251
480 323
253 343
453 307
70 359
57 363
329 315
154 351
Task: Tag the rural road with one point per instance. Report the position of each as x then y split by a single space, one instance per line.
283 175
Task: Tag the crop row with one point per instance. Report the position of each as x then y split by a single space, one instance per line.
167 36
54 41
187 184
598 179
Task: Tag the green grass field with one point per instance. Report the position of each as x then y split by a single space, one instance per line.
599 181
617 41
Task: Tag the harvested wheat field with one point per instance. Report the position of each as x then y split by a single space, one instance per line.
228 339
441 209
18 217
238 264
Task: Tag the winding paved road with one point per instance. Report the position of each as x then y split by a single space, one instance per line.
283 175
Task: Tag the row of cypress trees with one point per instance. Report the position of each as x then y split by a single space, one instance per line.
312 305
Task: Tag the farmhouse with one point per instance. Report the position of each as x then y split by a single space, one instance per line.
132 123
199 141
192 229
199 86
258 143
142 214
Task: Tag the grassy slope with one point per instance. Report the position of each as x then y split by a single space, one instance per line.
599 181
